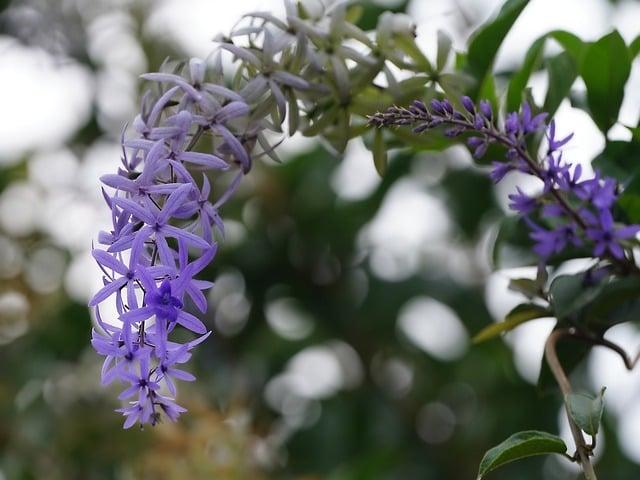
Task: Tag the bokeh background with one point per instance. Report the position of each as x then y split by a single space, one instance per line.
344 303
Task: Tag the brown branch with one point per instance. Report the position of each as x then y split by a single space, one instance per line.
582 450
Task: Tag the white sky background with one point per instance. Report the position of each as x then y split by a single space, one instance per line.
45 100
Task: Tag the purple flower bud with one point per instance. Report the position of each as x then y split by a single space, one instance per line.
446 105
438 107
468 105
485 109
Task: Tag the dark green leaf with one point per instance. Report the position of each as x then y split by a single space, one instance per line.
619 159
605 70
485 42
521 445
634 47
586 410
569 294
519 315
526 286
615 302
563 71
520 79
573 47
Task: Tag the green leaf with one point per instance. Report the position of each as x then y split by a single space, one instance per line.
519 315
444 49
615 302
586 410
379 153
485 42
563 71
629 201
573 47
569 294
619 159
634 47
520 79
521 445
526 286
605 70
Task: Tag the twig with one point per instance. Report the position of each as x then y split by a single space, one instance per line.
582 450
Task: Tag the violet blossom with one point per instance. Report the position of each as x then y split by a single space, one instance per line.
581 208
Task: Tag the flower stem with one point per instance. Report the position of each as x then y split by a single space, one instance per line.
582 450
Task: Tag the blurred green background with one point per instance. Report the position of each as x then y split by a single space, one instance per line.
343 307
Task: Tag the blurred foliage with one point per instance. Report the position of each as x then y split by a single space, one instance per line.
296 239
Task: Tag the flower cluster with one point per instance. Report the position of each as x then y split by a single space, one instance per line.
576 210
307 68
161 216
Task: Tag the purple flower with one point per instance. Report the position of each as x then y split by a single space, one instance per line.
522 203
529 124
554 171
499 170
607 237
551 138
599 192
159 213
550 242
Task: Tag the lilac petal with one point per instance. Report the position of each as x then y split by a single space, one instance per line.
198 298
182 375
174 201
109 261
290 80
280 99
178 80
254 89
129 392
204 159
139 144
134 209
199 340
166 254
616 250
163 188
243 54
160 104
190 322
231 111
235 145
107 291
132 300
222 92
599 249
119 182
206 187
627 232
137 315
160 133
606 220
233 186
188 237
137 246
182 172
132 418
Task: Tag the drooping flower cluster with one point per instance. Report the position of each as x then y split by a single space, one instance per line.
308 69
576 210
161 215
